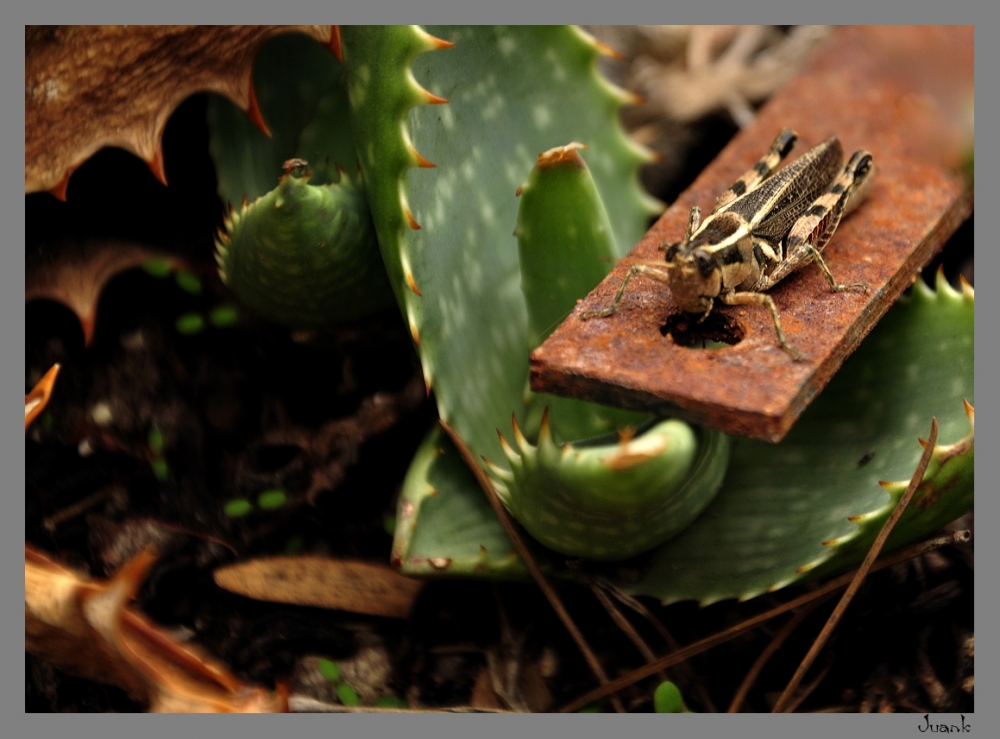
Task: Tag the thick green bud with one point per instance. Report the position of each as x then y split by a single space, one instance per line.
305 256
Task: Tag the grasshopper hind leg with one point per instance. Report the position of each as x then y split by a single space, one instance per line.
814 229
763 169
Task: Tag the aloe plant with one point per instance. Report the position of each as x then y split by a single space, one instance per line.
447 124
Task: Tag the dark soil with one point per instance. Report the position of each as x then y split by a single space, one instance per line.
249 408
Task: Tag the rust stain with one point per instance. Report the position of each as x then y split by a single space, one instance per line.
917 202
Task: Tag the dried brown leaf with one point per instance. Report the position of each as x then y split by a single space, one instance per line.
345 585
76 277
86 87
85 627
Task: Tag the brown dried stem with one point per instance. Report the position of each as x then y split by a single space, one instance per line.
532 566
862 572
959 537
779 639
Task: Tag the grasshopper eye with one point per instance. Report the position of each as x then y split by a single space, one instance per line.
859 165
672 251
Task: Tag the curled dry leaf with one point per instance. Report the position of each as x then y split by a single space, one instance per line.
86 87
346 585
85 627
38 398
687 72
75 277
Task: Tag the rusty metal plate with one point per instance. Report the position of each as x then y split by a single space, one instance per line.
866 87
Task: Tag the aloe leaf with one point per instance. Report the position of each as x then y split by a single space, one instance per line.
813 504
458 533
465 283
299 86
305 255
447 233
610 499
780 503
566 247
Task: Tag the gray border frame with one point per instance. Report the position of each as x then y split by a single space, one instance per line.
440 725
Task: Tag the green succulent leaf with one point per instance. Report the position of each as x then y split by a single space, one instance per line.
812 505
481 276
299 86
610 499
784 512
305 255
447 234
566 247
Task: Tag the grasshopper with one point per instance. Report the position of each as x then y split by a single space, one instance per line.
763 228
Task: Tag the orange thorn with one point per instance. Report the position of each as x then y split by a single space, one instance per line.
884 483
89 324
334 44
421 162
253 111
923 443
246 201
431 99
58 191
156 163
439 43
427 386
606 50
970 412
518 191
38 398
412 283
634 97
415 334
410 219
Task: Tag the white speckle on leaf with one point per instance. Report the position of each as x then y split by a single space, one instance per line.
493 107
558 70
507 45
447 117
541 116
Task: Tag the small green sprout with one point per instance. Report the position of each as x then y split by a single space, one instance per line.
223 316
188 282
155 440
159 268
328 669
667 698
190 323
160 468
237 508
347 695
271 500
390 701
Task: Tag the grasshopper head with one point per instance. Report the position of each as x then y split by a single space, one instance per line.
693 279
695 267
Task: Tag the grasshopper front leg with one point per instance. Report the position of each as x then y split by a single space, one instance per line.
655 270
748 298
